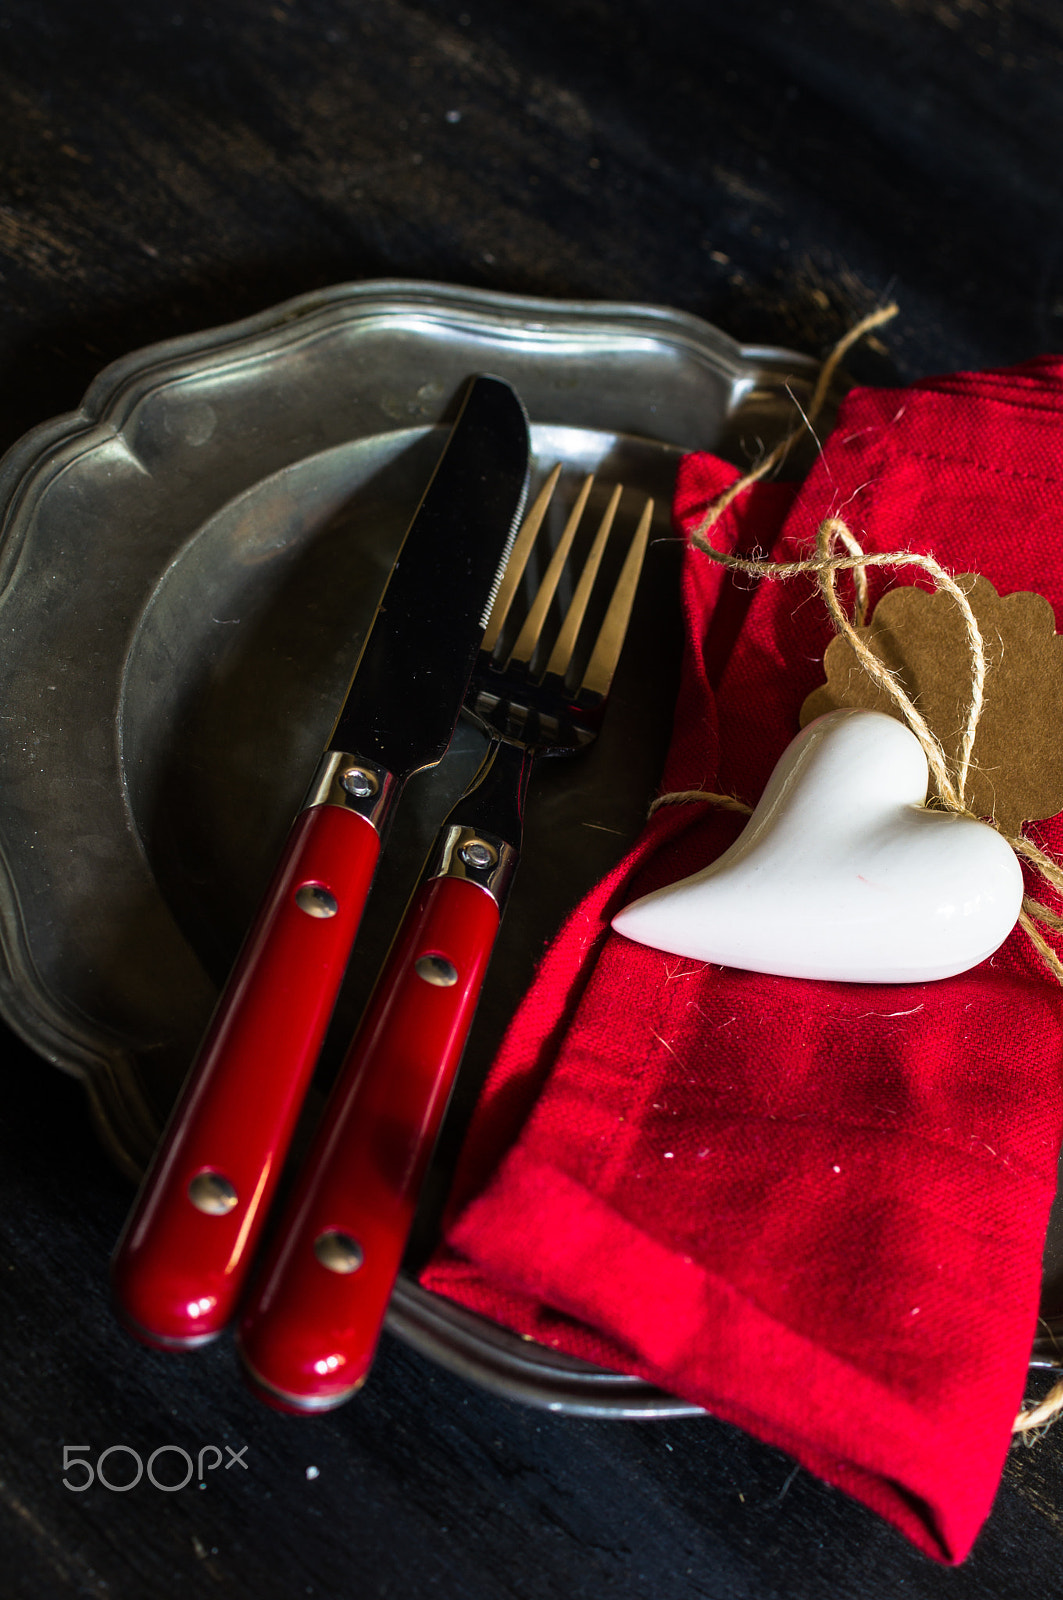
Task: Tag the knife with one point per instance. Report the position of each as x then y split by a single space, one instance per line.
184 1253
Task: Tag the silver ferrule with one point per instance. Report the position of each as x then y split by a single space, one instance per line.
353 783
480 858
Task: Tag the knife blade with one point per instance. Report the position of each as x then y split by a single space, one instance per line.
189 1240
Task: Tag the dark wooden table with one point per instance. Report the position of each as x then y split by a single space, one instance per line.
777 170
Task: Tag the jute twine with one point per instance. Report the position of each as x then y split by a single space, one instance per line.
837 550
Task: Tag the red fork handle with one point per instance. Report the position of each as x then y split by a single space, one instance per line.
311 1326
180 1263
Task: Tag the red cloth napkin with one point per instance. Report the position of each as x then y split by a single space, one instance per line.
815 1209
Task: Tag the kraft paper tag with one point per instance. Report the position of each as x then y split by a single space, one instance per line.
1017 770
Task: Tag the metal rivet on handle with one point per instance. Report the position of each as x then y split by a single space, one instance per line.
315 900
360 782
211 1193
478 853
436 970
338 1251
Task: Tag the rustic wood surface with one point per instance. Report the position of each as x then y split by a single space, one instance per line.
774 169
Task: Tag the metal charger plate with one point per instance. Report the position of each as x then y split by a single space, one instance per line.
187 566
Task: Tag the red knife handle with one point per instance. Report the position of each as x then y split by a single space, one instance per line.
180 1263
315 1313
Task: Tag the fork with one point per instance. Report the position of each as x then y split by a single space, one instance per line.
311 1325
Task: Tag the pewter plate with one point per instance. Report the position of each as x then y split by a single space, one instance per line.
187 566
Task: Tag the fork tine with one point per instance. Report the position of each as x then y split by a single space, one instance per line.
528 637
602 664
565 645
518 560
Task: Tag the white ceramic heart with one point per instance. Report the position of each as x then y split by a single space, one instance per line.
842 873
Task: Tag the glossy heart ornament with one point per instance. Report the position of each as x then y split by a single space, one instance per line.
842 873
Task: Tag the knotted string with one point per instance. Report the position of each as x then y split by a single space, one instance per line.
950 785
837 550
